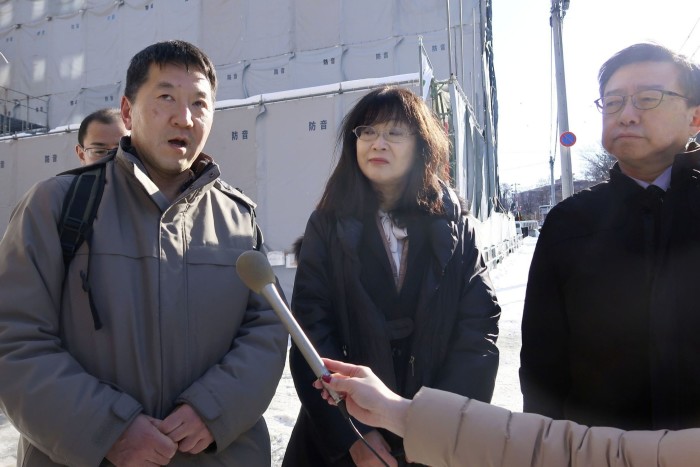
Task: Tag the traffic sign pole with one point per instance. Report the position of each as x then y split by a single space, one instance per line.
558 11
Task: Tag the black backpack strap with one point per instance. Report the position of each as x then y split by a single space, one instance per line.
79 210
75 224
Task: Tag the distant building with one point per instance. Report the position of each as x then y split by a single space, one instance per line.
531 201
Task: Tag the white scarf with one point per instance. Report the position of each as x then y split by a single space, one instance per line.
395 237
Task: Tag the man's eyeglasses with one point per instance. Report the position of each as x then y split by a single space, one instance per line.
98 153
642 100
393 135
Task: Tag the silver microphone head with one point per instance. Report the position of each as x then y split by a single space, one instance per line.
254 270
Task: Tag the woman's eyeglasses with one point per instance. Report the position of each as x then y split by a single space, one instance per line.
393 135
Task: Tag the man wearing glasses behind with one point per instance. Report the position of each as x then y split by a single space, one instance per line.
612 310
99 133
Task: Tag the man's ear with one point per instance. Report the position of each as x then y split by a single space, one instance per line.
695 123
81 154
125 109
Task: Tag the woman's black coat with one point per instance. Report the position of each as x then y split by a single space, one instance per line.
455 325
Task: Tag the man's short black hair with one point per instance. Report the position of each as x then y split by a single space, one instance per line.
175 52
688 72
105 116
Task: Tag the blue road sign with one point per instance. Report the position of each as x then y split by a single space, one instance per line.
567 139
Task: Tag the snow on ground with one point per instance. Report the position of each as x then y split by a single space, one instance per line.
509 278
8 443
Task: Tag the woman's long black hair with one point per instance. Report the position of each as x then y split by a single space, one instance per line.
349 193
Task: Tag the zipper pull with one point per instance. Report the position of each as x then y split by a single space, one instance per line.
410 361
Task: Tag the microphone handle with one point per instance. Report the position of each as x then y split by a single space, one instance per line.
269 291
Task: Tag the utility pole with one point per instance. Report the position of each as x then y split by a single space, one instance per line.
556 19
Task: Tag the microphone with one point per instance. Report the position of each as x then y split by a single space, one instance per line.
256 273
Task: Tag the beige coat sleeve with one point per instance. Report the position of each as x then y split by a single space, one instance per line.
444 429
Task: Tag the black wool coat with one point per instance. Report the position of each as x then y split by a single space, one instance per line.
611 320
450 337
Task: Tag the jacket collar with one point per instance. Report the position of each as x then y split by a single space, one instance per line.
204 172
623 183
685 164
443 231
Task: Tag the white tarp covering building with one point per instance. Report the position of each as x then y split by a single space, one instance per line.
67 58
75 52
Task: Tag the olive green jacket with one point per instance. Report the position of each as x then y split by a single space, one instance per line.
178 325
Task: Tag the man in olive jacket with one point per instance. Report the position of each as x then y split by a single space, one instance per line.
611 309
148 350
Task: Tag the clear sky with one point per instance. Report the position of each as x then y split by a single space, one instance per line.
593 30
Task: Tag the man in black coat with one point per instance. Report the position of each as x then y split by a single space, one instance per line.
611 319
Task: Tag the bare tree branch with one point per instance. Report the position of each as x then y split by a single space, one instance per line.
598 165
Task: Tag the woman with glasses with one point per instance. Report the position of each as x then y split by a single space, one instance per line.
389 276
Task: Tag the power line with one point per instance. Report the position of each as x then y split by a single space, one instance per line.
690 34
694 52
552 124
